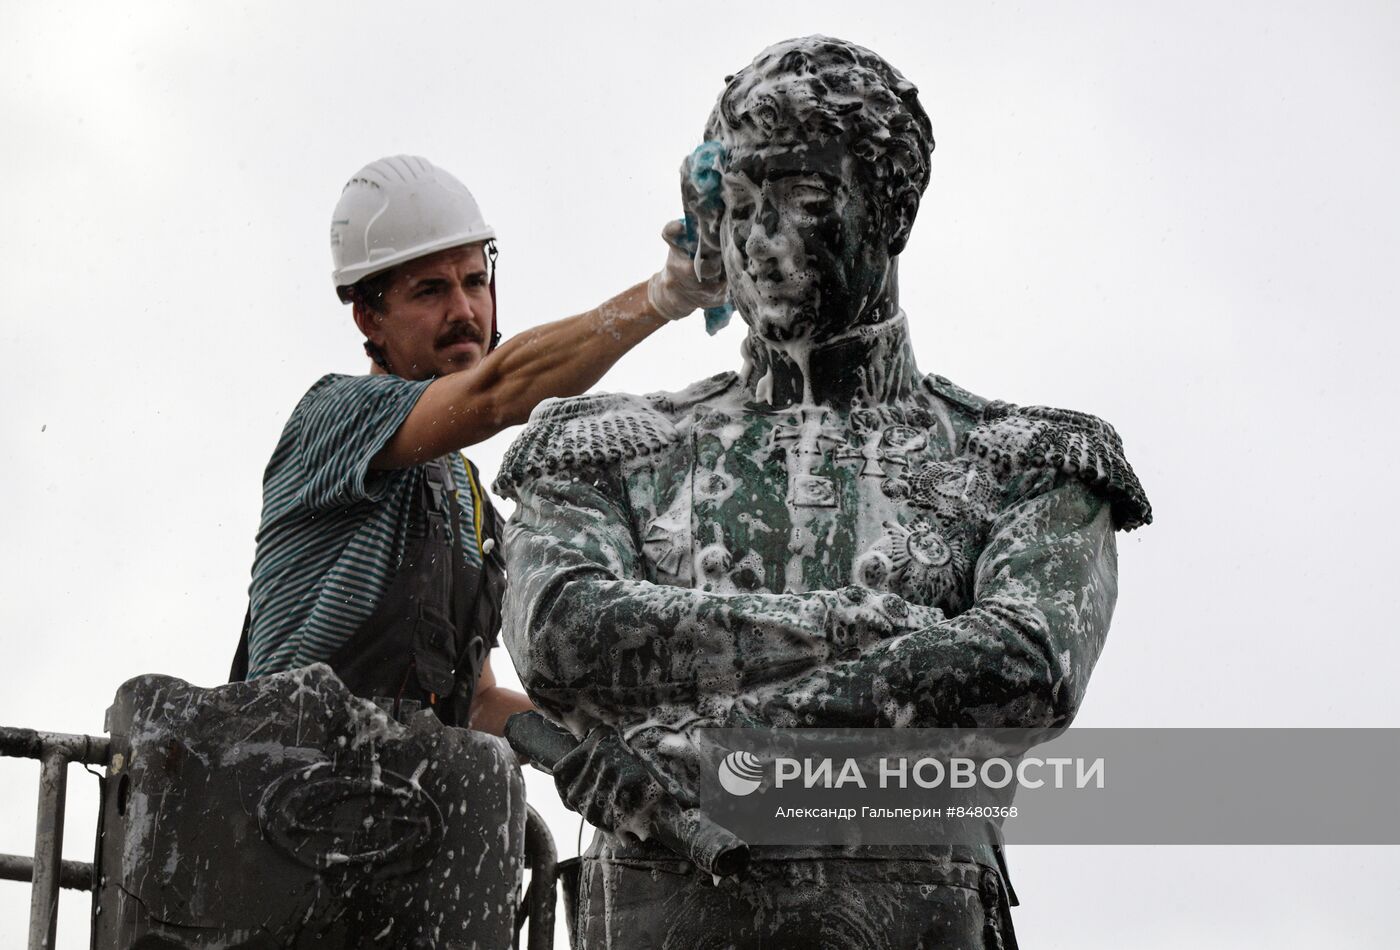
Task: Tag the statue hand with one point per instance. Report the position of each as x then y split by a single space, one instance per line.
608 784
860 617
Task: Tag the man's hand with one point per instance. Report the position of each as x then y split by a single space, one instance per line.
676 290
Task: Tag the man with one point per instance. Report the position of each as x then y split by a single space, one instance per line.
379 552
826 538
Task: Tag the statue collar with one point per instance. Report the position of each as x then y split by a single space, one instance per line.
868 365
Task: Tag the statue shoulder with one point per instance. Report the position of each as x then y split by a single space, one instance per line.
1074 444
583 432
950 392
678 404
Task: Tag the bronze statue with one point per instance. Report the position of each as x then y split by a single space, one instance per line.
827 537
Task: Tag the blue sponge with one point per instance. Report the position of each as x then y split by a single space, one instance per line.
705 168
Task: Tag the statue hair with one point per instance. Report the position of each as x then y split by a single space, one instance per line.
816 88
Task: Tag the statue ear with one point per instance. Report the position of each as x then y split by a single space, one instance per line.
903 210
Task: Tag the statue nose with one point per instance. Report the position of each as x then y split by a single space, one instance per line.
766 242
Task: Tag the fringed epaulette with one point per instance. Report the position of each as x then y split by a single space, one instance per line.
583 432
1074 443
950 391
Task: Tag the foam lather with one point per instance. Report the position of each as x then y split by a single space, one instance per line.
1073 443
586 431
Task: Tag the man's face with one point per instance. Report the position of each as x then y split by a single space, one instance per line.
437 314
803 248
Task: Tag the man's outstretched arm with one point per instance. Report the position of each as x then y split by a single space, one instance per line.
563 358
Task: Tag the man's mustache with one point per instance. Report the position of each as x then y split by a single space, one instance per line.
461 333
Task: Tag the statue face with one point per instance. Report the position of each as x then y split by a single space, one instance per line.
803 246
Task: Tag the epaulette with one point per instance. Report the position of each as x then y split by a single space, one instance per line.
1073 443
950 391
584 431
675 403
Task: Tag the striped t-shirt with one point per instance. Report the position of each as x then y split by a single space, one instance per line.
333 531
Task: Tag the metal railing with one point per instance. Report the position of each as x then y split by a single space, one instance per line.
46 869
538 904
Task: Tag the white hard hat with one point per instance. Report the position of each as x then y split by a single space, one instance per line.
397 209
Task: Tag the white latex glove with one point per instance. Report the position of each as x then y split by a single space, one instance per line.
675 291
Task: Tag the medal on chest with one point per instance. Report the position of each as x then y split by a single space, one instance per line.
808 500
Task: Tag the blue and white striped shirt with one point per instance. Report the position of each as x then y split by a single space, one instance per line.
333 531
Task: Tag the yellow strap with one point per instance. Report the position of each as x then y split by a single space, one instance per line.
476 503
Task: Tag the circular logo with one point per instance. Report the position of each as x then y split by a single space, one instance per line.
329 818
740 773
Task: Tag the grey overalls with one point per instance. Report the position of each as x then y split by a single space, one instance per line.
426 641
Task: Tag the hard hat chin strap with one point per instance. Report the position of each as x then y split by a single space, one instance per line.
491 254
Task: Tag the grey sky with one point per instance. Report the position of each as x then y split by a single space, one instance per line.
1183 217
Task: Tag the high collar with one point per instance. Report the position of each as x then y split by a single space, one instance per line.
866 366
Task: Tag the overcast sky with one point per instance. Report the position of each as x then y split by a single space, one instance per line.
1182 218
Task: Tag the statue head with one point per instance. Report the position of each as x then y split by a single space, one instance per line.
824 154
